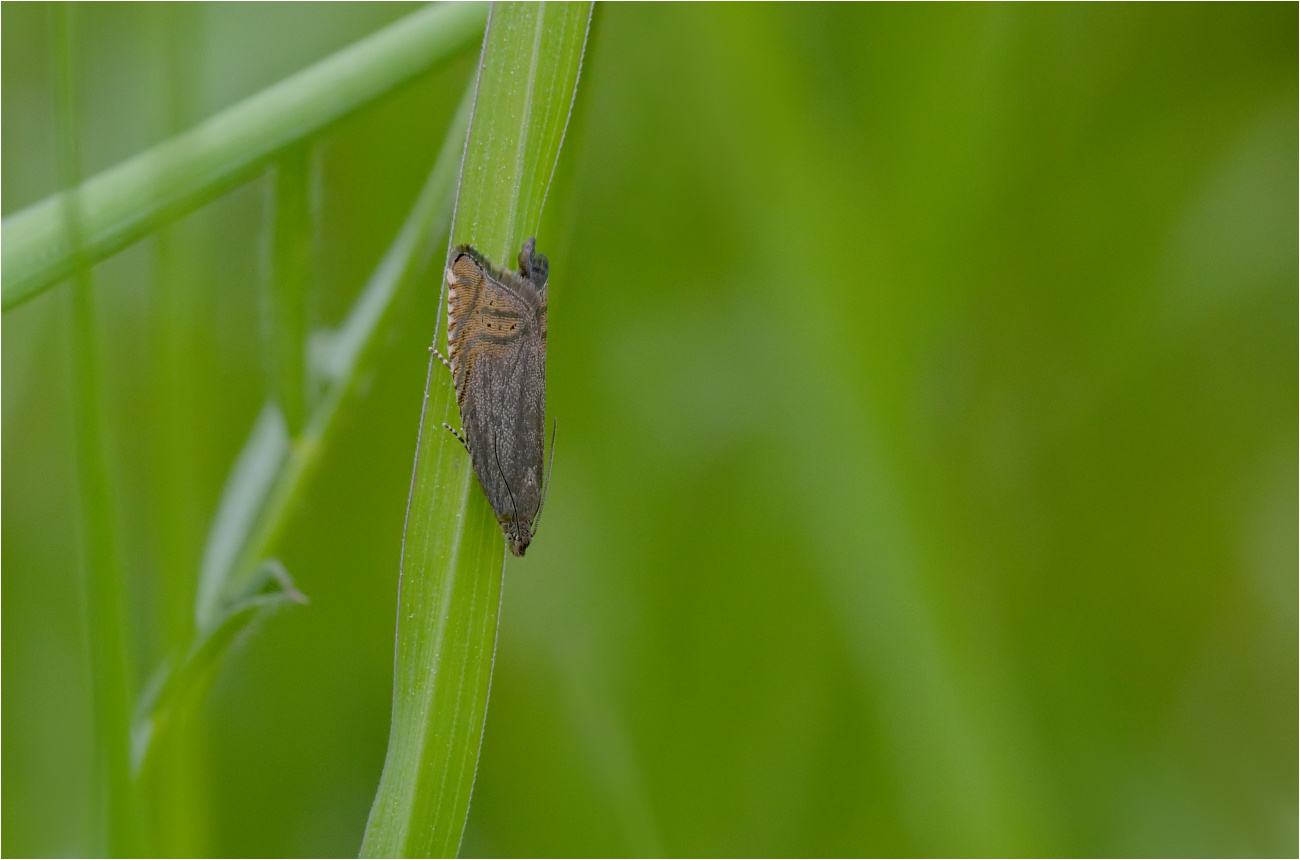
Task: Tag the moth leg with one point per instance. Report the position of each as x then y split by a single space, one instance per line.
459 437
441 357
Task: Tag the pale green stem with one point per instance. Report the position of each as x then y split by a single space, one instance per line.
173 796
290 271
110 683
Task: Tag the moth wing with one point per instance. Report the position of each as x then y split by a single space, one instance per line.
497 349
505 423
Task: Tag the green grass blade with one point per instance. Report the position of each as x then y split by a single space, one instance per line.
453 550
239 577
128 201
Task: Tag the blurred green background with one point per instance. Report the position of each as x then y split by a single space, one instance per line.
926 480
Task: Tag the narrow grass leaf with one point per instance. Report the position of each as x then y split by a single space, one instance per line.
292 230
242 500
116 826
453 550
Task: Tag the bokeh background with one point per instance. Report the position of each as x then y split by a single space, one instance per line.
926 479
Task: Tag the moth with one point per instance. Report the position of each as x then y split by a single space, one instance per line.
496 352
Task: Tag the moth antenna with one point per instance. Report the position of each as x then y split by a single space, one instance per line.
550 465
497 455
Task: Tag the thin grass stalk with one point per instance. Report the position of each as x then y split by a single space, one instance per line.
173 804
174 794
115 830
290 272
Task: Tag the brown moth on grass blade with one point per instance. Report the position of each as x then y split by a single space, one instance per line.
496 352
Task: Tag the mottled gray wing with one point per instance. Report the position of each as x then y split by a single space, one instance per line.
505 419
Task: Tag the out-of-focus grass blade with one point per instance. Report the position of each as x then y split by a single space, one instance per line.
116 823
238 577
242 500
139 195
453 551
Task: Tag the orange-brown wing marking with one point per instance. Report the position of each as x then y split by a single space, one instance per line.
483 314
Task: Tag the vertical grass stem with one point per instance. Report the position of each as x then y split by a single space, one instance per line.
106 635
